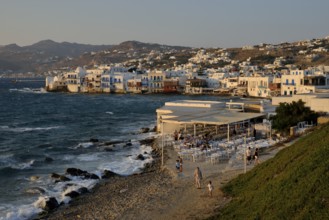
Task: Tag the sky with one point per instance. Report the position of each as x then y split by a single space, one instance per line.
194 23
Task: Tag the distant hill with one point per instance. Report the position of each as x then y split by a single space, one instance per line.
130 50
42 55
292 185
52 48
47 54
136 45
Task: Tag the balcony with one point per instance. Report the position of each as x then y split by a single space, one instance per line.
289 84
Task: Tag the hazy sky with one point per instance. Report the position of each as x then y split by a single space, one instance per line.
196 23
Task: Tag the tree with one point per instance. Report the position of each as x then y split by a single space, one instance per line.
289 114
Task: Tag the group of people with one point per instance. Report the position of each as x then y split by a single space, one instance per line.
197 175
198 178
254 157
189 141
178 135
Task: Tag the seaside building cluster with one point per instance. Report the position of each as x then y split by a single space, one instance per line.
119 79
265 73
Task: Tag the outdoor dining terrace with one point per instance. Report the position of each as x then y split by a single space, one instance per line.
214 151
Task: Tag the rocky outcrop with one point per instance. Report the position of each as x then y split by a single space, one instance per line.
83 190
82 173
94 140
146 141
75 172
154 129
72 194
108 174
144 130
50 204
59 178
140 157
91 176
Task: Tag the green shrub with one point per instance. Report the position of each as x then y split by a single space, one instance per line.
289 114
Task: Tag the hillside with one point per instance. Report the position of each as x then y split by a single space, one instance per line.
46 56
42 56
292 185
49 55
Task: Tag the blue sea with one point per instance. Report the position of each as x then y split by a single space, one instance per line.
37 125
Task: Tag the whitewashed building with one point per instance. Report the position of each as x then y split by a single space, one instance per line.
74 80
303 81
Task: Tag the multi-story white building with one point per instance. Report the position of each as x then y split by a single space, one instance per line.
156 79
74 80
303 81
92 81
259 86
120 81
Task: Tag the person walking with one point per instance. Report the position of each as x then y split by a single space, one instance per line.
177 166
198 177
210 188
180 164
256 156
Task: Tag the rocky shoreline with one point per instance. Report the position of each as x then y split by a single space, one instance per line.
156 193
112 191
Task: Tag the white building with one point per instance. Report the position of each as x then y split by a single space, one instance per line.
303 81
74 80
259 86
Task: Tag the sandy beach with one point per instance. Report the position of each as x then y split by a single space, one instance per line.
157 193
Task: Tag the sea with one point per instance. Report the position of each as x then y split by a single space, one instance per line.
43 133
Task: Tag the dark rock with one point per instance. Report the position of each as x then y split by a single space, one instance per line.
91 176
59 178
112 142
128 144
72 194
93 140
146 141
64 178
83 190
55 176
50 204
145 152
144 130
49 159
75 172
107 174
154 129
140 157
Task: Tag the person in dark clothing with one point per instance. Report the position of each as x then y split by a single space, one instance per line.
256 156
